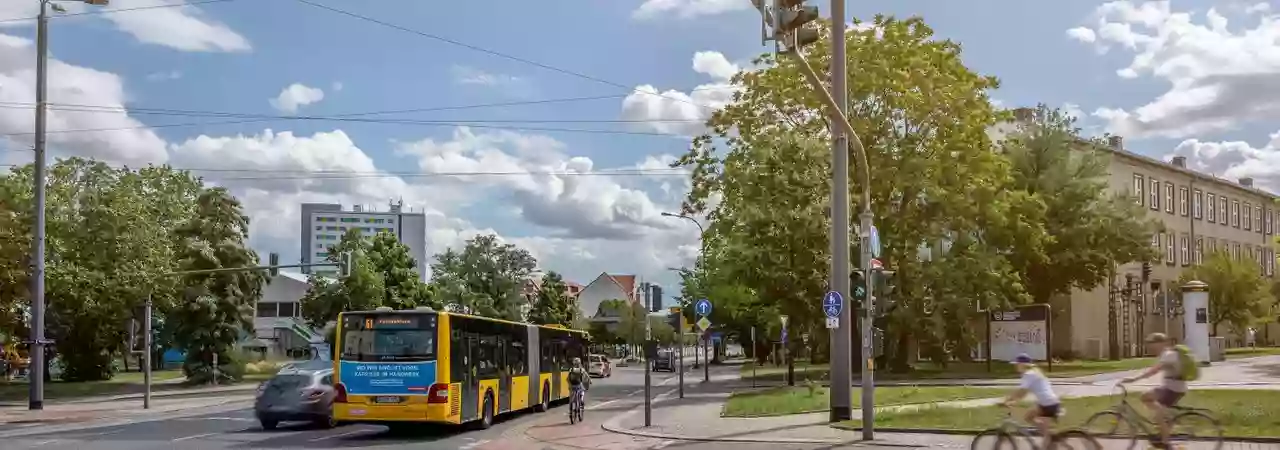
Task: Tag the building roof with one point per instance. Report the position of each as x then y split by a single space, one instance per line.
627 283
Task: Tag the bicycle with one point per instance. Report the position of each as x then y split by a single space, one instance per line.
1124 413
1003 436
577 406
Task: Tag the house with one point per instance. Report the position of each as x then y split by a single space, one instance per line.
605 287
278 323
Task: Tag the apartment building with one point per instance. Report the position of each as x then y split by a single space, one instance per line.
323 225
1201 214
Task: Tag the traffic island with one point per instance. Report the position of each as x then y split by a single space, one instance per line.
813 398
1245 414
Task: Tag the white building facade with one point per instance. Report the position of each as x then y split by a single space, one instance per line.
277 320
323 225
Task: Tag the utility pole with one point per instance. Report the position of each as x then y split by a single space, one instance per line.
35 400
784 24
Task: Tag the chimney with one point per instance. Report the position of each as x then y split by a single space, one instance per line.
1116 142
1023 114
1180 161
1246 182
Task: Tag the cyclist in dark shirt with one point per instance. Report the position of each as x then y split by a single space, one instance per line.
579 381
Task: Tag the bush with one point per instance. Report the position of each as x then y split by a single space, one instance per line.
199 370
262 367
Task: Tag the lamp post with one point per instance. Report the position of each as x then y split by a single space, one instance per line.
702 237
35 400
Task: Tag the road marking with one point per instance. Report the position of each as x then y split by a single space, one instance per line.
603 404
662 444
339 435
47 442
196 419
473 444
198 436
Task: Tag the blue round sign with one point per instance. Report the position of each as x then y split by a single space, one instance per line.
832 303
875 242
703 307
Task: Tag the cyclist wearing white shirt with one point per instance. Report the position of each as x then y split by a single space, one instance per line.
1035 383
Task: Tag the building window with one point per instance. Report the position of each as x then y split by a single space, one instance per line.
1270 219
1235 213
1213 212
1222 210
1184 250
1169 248
288 309
267 309
1235 250
319 245
1155 242
1153 194
1199 250
1248 217
1138 184
1168 197
1183 207
1257 218
322 254
1197 207
318 227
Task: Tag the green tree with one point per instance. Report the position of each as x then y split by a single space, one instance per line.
1069 176
552 304
922 117
402 285
218 307
15 244
631 323
485 278
363 289
1238 294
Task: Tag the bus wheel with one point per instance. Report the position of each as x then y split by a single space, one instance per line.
546 399
486 417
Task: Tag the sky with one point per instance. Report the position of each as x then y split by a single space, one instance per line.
552 123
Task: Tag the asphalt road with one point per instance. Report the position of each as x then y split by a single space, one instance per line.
240 430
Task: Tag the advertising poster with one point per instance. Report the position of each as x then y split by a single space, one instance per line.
1024 330
387 378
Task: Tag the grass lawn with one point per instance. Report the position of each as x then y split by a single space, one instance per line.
122 384
795 400
1243 413
958 370
1247 352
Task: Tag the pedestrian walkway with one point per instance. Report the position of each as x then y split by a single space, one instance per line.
696 417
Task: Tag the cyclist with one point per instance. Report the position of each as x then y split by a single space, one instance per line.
1172 385
579 382
1037 384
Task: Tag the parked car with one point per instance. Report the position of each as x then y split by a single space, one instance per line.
301 392
599 366
665 361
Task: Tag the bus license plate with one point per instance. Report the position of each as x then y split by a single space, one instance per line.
387 399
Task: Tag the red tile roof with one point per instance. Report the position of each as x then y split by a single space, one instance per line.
628 283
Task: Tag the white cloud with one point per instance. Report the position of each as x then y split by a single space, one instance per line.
1082 34
1234 160
680 113
164 76
1217 77
510 84
687 9
120 138
295 96
181 26
336 86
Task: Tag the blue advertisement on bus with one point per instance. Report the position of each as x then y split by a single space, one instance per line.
387 378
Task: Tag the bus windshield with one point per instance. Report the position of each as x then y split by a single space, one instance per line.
389 337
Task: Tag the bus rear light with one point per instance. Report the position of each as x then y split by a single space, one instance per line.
439 393
341 396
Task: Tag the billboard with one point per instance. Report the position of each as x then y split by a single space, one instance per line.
1021 330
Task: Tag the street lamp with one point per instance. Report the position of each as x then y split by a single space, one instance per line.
702 236
35 400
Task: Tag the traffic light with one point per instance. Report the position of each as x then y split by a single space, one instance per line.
1146 270
675 319
885 285
273 260
790 18
345 261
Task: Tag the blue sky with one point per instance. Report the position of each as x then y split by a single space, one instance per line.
1169 76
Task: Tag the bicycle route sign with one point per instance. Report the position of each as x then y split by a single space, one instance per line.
832 303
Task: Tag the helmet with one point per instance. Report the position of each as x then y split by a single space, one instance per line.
577 361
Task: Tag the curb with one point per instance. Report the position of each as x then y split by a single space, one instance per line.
158 394
944 431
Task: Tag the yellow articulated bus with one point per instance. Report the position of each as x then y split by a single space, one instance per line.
397 368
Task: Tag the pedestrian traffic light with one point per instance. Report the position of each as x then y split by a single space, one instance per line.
345 261
273 260
858 285
1146 270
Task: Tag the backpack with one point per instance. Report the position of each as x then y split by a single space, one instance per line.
575 376
1188 367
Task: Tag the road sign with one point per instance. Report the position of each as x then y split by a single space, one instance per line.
784 327
703 307
875 242
704 324
832 303
876 264
833 322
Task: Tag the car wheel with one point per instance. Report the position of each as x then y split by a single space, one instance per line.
269 424
326 422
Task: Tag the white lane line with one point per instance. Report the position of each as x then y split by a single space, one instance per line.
603 404
197 436
199 419
339 435
51 441
662 444
473 444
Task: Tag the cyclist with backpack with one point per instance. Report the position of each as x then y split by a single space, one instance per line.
1177 367
579 382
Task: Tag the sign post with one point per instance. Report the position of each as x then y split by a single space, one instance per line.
785 352
832 304
703 308
755 347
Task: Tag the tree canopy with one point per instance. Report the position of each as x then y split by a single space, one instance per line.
1238 294
486 277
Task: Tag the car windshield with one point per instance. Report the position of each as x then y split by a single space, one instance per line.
596 359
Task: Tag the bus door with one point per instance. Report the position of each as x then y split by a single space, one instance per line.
557 361
465 349
505 364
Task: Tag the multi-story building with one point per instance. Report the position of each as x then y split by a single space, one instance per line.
323 225
1201 213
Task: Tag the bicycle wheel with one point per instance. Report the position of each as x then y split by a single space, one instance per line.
1112 425
573 412
1075 439
993 439
1196 426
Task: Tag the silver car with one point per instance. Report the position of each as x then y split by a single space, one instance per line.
301 392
